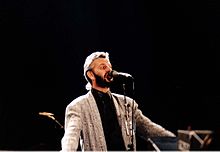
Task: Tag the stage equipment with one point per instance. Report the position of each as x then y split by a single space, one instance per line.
194 139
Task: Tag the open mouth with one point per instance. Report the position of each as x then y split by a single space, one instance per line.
108 76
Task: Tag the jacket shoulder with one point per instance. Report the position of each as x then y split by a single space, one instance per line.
78 100
121 96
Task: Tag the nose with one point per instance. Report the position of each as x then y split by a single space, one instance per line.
107 68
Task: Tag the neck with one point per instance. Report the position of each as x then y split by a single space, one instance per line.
106 89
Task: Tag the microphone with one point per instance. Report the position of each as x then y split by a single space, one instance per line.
114 74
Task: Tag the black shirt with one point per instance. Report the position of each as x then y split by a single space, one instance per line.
112 130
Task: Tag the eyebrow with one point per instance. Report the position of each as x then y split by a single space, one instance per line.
105 64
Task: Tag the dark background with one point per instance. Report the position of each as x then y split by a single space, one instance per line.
171 48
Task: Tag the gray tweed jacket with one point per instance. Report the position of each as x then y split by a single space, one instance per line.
83 124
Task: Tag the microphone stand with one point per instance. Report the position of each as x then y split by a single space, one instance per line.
154 145
131 145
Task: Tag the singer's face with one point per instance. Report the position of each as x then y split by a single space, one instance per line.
100 68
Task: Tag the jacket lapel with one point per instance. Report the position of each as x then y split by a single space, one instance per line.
96 119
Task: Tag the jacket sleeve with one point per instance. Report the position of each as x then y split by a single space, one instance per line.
147 128
73 126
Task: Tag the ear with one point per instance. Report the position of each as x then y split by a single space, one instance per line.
90 74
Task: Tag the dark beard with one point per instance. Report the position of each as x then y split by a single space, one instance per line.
101 82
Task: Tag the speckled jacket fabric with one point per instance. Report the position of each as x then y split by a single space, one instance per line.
83 124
